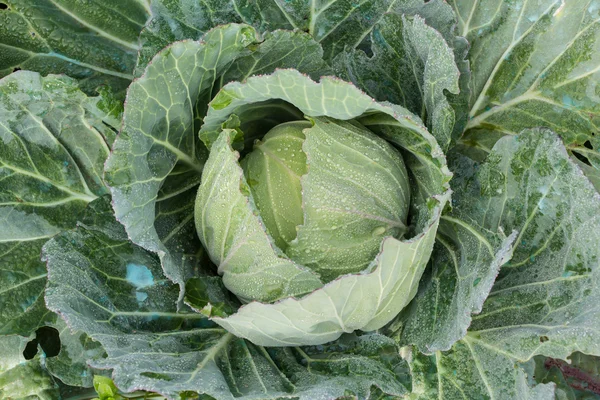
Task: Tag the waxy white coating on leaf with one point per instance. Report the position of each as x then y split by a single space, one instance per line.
53 145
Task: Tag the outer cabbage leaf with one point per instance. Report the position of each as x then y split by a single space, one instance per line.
535 63
391 281
157 160
116 293
175 20
336 24
545 301
465 262
77 349
469 371
21 378
53 144
95 42
424 71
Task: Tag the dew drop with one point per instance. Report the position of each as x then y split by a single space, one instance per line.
380 230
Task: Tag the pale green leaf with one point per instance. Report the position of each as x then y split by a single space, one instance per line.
93 41
535 63
115 292
273 170
235 238
52 150
11 348
352 302
356 192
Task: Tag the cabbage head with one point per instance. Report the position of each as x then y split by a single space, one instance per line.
320 219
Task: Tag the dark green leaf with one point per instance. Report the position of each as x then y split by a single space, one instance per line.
70 365
95 42
53 144
535 63
545 300
578 379
428 65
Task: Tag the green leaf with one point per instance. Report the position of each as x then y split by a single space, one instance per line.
471 246
335 24
545 300
236 240
279 49
157 160
424 70
96 43
273 169
208 296
106 388
187 19
472 371
76 351
52 151
175 20
578 379
541 70
463 267
115 292
157 157
335 308
21 378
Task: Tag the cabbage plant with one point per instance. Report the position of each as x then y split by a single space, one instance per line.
299 199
